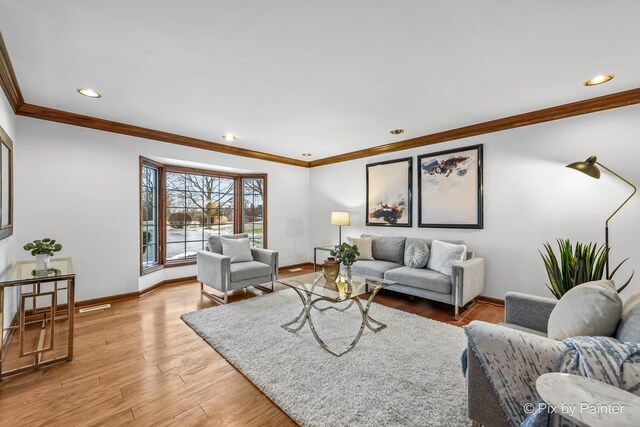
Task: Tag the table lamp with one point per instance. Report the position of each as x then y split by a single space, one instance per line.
590 167
340 219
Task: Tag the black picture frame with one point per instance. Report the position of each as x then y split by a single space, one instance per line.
479 222
390 211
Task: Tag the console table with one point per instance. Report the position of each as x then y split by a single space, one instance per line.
41 306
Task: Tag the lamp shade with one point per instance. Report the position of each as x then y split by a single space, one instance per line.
340 218
587 167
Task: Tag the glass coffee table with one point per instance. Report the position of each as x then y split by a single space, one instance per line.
313 288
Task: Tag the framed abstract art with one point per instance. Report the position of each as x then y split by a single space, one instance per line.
450 188
389 193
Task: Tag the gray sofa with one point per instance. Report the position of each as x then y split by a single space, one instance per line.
465 284
529 314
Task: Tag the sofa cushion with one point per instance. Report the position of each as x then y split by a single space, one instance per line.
416 254
364 245
373 268
629 327
249 270
387 248
589 309
420 278
444 256
239 250
215 244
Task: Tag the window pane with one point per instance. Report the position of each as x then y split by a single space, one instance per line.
176 198
175 181
194 183
149 223
193 248
252 210
175 251
194 231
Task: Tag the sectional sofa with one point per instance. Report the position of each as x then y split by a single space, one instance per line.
465 283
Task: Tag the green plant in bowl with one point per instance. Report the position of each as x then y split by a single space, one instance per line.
43 247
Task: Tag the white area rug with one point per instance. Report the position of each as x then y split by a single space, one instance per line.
405 375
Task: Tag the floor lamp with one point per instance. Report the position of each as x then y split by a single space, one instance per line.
340 219
589 167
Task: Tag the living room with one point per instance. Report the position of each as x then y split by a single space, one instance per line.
322 120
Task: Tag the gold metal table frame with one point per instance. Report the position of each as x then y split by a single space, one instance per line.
30 310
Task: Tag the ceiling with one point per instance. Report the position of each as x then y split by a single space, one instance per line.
324 77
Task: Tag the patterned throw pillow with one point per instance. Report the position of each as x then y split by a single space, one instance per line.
416 254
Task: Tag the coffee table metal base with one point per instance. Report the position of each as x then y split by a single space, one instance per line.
309 301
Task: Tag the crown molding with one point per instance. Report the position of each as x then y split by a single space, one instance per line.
50 114
8 79
9 84
591 105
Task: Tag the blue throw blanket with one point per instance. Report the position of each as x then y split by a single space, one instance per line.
513 360
600 358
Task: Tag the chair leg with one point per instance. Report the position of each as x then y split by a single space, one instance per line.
264 288
214 297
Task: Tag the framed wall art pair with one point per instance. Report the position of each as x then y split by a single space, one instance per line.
449 190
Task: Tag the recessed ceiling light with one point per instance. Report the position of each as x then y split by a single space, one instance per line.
88 92
306 154
229 136
396 131
602 78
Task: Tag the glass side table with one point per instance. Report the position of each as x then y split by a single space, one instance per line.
39 307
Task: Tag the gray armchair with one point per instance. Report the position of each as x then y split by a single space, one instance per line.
216 270
527 317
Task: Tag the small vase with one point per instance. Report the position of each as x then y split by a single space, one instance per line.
43 262
331 269
348 274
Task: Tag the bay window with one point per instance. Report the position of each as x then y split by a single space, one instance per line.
182 207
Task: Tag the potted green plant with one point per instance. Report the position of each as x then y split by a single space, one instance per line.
43 250
346 255
573 266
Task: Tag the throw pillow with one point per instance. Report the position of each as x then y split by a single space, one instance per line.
444 256
364 245
214 244
239 250
629 327
589 309
387 248
416 254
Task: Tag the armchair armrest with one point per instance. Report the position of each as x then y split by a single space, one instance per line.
528 311
528 355
268 257
213 269
468 277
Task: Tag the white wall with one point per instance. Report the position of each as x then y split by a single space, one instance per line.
81 187
529 196
8 246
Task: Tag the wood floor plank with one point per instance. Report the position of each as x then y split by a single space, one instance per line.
137 363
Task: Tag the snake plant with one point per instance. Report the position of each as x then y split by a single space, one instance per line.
585 263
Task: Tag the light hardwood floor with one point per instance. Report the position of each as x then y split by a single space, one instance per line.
137 363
